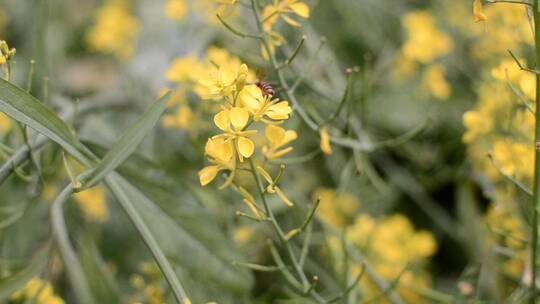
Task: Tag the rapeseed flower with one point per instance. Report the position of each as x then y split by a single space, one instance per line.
176 9
233 122
261 106
325 141
93 203
114 31
220 154
277 138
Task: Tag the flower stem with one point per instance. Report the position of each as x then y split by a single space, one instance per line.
282 238
536 186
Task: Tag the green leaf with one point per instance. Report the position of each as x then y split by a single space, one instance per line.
193 246
17 281
23 107
128 142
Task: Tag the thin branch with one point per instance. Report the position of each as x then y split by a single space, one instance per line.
72 264
520 65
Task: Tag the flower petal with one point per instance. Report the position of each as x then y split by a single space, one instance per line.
245 146
274 134
222 120
239 117
251 97
207 175
301 9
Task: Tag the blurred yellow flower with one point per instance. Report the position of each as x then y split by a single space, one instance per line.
282 9
434 81
478 12
182 119
425 42
114 31
476 124
93 203
336 209
325 141
5 124
243 234
37 291
176 9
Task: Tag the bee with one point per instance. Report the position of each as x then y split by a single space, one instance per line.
266 88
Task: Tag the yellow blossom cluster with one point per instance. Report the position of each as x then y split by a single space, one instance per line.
115 30
286 10
499 129
425 44
177 10
93 203
37 291
390 245
190 74
147 285
244 108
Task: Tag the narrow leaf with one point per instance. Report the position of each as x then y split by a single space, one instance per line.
23 107
128 142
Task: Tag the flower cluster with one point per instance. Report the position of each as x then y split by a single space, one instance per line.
286 10
148 285
500 128
244 109
177 10
37 291
115 30
390 244
425 45
191 75
93 203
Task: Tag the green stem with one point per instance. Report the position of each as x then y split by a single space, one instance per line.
292 257
69 257
536 187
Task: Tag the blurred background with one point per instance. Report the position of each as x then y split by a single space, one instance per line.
429 205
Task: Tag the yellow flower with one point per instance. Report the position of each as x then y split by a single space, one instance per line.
260 106
183 69
221 81
220 154
325 141
424 41
243 234
477 124
335 209
182 119
5 124
176 9
233 122
93 203
39 291
282 9
435 82
273 188
477 11
277 138
114 31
